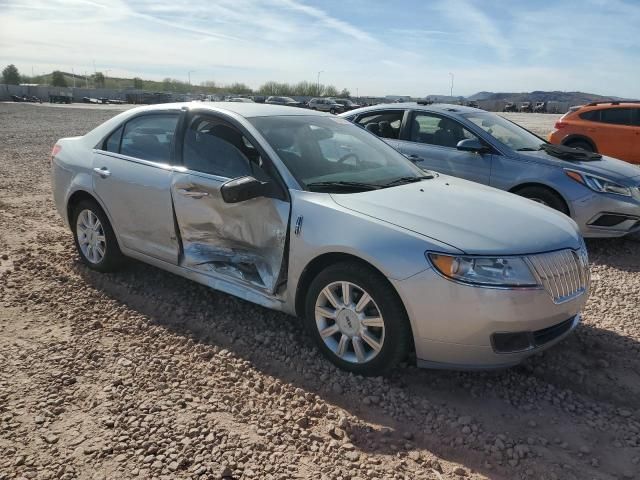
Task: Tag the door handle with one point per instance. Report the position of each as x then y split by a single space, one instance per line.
191 193
103 171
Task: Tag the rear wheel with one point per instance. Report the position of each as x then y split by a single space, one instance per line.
357 319
544 196
94 238
580 145
332 111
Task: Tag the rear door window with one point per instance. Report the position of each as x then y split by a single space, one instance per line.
149 137
616 116
384 123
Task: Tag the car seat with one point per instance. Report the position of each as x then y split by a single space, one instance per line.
373 128
445 136
386 130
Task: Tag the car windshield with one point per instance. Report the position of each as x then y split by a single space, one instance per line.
506 132
332 154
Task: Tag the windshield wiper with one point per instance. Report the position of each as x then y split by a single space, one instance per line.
529 149
344 185
403 180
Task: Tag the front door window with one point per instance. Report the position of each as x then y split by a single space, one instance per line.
439 131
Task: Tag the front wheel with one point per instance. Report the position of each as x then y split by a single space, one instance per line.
94 238
580 145
545 197
332 111
357 319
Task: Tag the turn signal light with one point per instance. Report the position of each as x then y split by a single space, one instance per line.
54 151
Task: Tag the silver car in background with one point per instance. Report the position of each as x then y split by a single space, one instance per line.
326 105
600 193
306 213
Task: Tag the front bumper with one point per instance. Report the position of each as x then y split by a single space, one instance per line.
454 324
607 215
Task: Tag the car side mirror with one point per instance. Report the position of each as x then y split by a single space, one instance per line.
471 145
242 189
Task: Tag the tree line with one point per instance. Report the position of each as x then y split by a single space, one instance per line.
11 76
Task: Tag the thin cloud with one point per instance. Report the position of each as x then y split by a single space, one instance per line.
514 46
334 23
476 25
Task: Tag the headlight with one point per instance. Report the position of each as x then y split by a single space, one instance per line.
598 184
488 271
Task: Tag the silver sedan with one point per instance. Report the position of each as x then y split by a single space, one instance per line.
601 194
306 213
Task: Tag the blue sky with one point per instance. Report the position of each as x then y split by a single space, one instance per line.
373 47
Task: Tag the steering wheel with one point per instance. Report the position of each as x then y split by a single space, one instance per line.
347 156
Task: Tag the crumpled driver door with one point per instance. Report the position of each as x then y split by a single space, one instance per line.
242 242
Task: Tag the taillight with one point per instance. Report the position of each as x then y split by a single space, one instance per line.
560 124
54 151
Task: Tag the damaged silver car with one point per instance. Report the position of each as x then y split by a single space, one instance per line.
306 213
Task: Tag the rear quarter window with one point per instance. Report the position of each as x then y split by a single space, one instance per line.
592 115
616 116
112 143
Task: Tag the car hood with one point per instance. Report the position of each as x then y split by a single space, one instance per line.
471 217
608 167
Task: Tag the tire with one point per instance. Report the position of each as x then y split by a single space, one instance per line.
545 196
580 145
105 255
387 326
332 111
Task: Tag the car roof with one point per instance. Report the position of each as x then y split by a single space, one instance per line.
244 109
610 104
446 108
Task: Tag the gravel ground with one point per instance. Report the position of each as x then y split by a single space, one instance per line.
142 374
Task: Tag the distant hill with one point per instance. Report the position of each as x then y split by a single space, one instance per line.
573 98
481 96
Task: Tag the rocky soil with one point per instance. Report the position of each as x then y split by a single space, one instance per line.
142 374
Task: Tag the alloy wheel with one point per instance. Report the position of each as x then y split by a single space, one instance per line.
349 322
91 236
539 200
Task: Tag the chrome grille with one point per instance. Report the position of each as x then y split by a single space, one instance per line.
563 274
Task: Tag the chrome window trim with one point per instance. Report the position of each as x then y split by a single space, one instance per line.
148 163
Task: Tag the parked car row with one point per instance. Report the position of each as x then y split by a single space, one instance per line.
373 227
26 98
530 107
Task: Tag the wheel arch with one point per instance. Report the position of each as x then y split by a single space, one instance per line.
582 138
515 189
79 195
317 264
